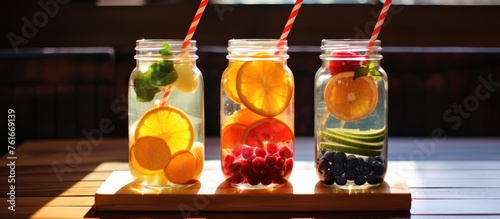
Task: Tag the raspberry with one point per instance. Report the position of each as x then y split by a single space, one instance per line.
266 180
271 160
236 179
260 152
338 66
254 179
271 147
246 151
281 163
236 153
234 167
269 171
288 166
258 163
228 159
246 169
249 160
278 179
285 152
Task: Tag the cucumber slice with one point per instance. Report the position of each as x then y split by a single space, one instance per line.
350 149
358 132
336 138
365 136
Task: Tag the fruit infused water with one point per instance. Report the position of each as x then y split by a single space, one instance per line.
166 115
350 125
257 114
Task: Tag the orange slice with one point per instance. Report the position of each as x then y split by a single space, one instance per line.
199 153
181 168
349 99
268 130
265 87
246 117
150 153
168 123
135 167
229 80
235 126
232 135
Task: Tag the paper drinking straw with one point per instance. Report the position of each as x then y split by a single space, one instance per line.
290 21
194 23
380 21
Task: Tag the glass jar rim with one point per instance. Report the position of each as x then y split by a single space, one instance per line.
149 49
350 43
175 44
247 48
257 41
357 48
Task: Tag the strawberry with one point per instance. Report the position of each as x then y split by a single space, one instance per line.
338 66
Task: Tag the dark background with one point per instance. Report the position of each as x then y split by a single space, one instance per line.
435 57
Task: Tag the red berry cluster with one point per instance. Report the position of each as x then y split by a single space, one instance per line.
338 66
254 165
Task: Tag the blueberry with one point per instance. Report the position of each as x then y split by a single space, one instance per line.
323 165
351 174
370 159
360 160
360 180
364 169
341 181
351 156
378 167
328 178
339 158
329 155
323 151
379 158
373 179
352 162
337 170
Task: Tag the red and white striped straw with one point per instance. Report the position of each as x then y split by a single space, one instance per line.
194 23
290 21
380 21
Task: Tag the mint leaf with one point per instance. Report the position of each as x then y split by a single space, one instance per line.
143 89
162 73
360 72
370 69
166 50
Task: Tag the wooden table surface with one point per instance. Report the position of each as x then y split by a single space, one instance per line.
452 177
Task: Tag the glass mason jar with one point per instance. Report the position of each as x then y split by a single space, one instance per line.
257 114
350 123
166 115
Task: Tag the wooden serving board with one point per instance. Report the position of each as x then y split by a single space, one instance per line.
303 192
